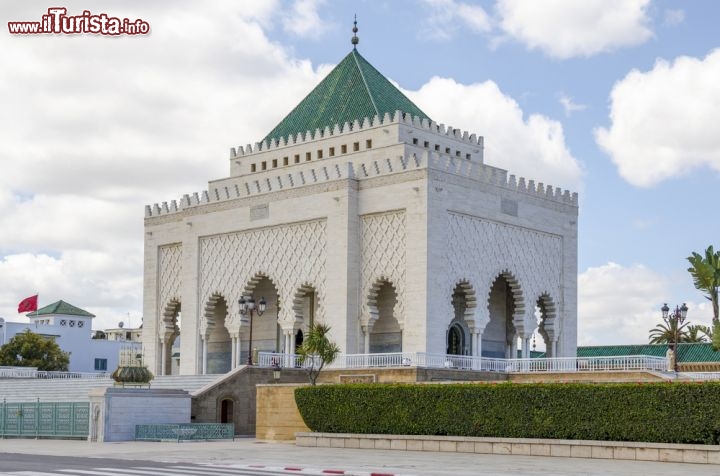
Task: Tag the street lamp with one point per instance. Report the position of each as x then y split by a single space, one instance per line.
247 306
276 370
675 319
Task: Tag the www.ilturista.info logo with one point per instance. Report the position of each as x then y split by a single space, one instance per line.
58 22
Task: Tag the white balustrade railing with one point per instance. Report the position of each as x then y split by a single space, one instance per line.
701 375
33 372
68 375
18 372
466 362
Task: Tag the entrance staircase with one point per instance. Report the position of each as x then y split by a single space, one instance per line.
77 389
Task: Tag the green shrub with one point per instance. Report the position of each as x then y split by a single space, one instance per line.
650 412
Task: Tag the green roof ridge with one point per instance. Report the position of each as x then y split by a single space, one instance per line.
60 307
687 351
352 91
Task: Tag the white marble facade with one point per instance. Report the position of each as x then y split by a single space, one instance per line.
392 230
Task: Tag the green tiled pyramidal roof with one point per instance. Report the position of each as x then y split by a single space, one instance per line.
697 352
354 89
60 307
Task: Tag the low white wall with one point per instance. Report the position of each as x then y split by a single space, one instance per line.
115 411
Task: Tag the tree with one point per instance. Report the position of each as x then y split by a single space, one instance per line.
669 331
33 350
317 350
698 333
705 271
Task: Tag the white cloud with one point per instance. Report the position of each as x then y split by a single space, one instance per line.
447 16
618 304
664 122
93 128
674 17
303 19
569 105
533 146
568 28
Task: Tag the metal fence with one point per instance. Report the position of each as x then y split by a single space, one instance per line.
44 420
466 362
185 432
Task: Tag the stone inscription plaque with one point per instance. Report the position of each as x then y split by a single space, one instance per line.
258 212
369 378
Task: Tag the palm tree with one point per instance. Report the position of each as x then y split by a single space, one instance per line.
317 350
698 333
669 331
705 271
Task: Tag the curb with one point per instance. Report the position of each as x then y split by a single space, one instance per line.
312 471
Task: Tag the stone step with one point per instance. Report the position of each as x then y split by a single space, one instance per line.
76 390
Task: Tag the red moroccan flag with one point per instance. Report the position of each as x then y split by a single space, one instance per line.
28 304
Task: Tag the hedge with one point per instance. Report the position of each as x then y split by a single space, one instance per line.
649 412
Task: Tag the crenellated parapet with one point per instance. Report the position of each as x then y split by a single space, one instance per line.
341 169
366 124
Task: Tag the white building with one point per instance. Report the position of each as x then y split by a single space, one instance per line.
71 328
360 211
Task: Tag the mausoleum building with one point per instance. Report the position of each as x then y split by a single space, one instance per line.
360 211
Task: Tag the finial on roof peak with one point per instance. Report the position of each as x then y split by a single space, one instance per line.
355 40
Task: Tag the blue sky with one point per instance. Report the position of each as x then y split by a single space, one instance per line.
615 99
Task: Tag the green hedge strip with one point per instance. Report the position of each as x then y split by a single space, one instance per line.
649 412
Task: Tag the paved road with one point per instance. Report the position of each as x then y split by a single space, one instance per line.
13 464
236 458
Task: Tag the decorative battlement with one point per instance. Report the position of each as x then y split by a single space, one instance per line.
356 126
341 169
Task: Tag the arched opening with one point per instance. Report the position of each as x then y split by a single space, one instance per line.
170 338
227 410
298 339
499 334
458 334
305 303
386 333
219 342
456 340
266 332
545 317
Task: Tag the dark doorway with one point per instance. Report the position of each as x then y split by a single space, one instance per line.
455 340
298 339
226 411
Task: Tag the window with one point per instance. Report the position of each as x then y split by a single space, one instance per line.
297 158
467 156
63 323
263 166
72 323
253 167
437 147
447 150
356 146
457 153
81 323
285 160
274 163
101 364
319 154
426 144
308 156
415 141
332 152
343 149
368 144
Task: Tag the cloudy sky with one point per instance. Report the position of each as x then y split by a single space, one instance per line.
616 99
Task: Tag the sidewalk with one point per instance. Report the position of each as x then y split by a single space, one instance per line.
249 451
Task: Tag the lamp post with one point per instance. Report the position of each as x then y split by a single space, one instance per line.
675 319
247 306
